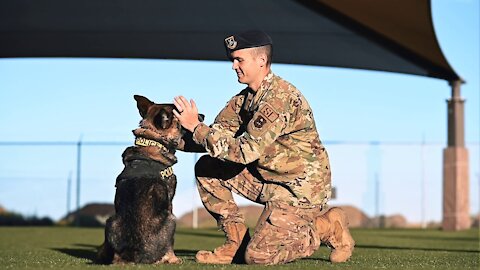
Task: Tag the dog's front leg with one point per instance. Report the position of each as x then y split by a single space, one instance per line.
169 258
118 260
105 253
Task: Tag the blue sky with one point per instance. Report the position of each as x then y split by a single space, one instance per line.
68 99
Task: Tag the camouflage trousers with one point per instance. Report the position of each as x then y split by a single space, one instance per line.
283 232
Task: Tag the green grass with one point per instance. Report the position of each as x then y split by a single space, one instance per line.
74 248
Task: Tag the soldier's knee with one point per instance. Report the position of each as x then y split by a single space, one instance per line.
253 256
249 257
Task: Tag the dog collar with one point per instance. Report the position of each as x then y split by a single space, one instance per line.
147 142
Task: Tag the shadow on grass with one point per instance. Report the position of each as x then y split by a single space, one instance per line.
415 248
91 253
434 238
186 252
87 246
315 259
81 253
202 233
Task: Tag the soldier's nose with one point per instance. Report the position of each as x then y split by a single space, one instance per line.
234 64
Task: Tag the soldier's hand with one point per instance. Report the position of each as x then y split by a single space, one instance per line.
186 112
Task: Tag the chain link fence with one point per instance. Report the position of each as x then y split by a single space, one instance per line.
54 178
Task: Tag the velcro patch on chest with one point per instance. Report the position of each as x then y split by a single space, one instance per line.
269 112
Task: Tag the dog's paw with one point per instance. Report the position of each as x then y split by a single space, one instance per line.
169 258
104 255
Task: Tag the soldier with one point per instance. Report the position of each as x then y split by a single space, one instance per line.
264 146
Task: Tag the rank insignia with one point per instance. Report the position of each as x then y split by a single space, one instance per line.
231 42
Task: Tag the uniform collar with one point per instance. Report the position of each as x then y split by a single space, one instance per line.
267 81
265 85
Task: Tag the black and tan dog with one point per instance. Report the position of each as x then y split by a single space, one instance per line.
142 229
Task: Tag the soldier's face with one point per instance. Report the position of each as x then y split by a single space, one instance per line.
248 66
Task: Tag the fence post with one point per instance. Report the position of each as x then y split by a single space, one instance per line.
195 209
69 188
79 157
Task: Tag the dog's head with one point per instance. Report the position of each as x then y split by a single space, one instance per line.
160 120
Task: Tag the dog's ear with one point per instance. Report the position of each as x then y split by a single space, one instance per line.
143 104
201 117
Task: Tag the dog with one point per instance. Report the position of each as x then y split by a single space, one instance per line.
143 226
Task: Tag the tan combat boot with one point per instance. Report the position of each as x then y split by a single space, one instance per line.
332 228
233 249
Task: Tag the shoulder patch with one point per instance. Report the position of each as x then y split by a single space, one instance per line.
259 121
269 112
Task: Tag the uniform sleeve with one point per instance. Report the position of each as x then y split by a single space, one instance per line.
266 125
228 118
187 144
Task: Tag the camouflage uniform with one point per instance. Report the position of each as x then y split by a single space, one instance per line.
265 147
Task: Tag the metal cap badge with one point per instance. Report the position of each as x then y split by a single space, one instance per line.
230 42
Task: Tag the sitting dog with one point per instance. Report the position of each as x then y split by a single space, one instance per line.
142 229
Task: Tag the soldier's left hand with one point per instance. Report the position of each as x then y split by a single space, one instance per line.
186 112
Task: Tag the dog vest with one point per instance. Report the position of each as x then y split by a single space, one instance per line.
139 141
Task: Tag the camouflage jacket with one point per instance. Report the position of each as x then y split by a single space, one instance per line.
276 132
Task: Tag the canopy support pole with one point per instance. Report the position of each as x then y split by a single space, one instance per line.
456 210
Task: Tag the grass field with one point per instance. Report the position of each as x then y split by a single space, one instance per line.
74 248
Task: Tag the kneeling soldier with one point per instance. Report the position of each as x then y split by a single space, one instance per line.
264 145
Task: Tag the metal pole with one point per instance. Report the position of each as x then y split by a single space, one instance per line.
69 188
423 189
377 199
195 209
79 157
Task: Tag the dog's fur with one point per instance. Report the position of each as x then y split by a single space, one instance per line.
142 229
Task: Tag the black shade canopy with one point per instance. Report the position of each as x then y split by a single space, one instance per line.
393 35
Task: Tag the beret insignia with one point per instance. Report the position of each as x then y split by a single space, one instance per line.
230 42
244 40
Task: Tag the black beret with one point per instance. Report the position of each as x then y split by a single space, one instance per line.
249 39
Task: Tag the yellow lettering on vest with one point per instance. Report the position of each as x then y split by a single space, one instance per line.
167 172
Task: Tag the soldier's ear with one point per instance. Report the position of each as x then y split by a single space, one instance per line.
143 104
262 57
201 117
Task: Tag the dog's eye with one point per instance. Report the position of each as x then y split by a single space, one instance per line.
163 120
